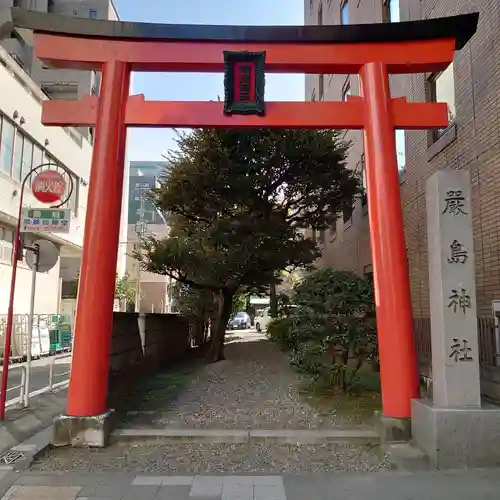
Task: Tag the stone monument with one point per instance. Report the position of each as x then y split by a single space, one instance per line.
454 429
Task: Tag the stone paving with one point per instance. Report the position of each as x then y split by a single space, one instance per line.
216 458
458 485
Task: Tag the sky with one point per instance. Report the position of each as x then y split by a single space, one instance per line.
150 144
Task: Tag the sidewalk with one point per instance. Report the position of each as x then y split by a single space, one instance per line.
23 423
457 485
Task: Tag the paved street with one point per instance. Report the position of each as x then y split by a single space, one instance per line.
39 374
458 485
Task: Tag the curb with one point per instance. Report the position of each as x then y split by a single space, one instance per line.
30 449
24 424
287 436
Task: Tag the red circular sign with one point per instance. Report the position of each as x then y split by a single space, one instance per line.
48 186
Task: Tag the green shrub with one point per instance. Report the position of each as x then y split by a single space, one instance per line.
279 331
331 333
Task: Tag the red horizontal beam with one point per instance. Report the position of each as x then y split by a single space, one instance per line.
312 115
90 53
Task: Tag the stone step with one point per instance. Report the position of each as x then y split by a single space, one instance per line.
278 436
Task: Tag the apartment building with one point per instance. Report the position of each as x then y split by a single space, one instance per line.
154 291
26 143
471 88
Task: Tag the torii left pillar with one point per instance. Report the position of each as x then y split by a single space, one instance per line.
87 419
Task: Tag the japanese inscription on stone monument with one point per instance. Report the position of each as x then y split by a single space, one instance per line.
460 351
455 203
459 299
458 253
453 315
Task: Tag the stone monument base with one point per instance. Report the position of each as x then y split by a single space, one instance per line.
83 432
456 438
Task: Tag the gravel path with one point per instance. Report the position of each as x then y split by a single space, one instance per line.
254 388
216 458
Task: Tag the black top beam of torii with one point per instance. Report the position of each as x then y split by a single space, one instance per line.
461 28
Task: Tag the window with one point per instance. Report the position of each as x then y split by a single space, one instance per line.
27 158
368 273
6 243
6 146
364 197
321 87
92 14
320 15
348 215
391 11
37 155
19 154
344 12
401 149
72 203
441 88
18 157
346 90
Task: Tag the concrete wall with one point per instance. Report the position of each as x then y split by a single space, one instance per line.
141 345
150 340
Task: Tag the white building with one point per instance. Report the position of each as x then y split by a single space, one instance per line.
24 143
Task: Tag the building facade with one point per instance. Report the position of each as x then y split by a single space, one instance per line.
26 143
471 88
59 83
154 291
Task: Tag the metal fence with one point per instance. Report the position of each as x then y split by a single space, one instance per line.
486 338
54 382
52 333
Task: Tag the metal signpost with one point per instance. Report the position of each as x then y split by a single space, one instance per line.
48 186
42 257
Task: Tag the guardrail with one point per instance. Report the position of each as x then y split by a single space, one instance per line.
51 383
52 375
21 387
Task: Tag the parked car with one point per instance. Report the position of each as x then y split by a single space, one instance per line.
241 320
262 319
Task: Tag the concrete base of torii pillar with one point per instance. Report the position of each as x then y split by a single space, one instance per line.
455 429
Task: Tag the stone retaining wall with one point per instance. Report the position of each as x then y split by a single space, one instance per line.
144 344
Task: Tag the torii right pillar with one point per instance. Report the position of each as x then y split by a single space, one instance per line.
398 361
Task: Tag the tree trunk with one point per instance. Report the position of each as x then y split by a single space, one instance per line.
273 300
224 304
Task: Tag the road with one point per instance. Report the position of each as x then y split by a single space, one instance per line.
40 368
39 375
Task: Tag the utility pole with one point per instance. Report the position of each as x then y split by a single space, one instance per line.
140 230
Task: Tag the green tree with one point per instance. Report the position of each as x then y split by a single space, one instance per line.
125 289
238 203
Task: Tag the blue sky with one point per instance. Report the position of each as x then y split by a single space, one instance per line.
149 144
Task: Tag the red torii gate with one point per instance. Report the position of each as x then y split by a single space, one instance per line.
372 51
